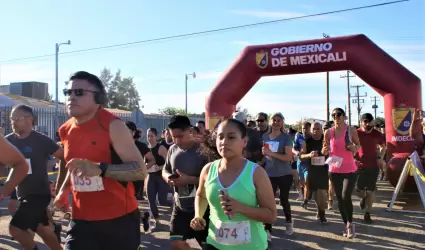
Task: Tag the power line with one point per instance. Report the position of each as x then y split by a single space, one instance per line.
208 31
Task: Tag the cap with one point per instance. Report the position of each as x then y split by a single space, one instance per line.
240 116
367 117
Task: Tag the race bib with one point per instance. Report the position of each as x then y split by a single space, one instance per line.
29 166
87 184
273 146
154 168
318 161
334 161
233 233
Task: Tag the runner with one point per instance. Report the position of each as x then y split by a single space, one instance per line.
262 123
102 161
368 163
34 193
331 192
201 126
302 166
340 143
182 169
167 142
277 150
252 150
318 171
156 188
247 195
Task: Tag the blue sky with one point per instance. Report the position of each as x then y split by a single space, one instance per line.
32 28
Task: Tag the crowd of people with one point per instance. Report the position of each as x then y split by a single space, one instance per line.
220 185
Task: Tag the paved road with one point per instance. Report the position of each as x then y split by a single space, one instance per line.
391 230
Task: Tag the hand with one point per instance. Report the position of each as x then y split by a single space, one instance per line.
198 223
416 115
61 201
229 205
182 180
357 163
83 168
325 150
352 148
266 151
313 154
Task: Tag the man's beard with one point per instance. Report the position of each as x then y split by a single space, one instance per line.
369 128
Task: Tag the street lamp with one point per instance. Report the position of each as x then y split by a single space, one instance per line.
327 88
56 81
185 84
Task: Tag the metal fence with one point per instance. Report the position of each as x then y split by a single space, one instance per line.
45 119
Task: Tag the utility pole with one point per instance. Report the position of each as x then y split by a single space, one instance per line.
185 88
327 88
375 106
358 100
348 76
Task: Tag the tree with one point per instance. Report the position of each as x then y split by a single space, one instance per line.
245 112
379 121
172 111
121 92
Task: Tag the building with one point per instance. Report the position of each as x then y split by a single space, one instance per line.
4 89
36 90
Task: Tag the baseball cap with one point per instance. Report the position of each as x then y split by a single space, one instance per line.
240 116
367 117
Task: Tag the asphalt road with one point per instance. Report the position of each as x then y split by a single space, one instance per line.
391 230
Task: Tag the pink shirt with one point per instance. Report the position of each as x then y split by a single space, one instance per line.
337 147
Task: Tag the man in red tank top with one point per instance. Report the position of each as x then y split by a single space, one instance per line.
102 162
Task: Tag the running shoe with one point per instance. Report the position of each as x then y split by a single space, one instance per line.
289 227
145 221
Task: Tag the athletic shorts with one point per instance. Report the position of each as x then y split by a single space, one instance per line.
180 226
121 233
318 178
302 169
13 195
31 212
367 178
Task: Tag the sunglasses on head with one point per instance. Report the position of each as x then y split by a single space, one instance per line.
77 92
337 114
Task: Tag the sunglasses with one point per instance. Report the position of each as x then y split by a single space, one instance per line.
336 114
77 92
259 120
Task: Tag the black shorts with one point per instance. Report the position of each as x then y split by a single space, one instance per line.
31 212
318 177
367 178
121 233
180 226
13 195
294 165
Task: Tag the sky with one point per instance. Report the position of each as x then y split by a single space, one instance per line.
31 28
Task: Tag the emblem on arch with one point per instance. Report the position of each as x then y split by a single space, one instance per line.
402 119
262 59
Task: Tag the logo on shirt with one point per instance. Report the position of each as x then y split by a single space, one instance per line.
402 118
262 59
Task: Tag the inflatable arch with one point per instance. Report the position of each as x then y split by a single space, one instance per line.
400 88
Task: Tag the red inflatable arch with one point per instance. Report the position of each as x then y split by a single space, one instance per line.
400 88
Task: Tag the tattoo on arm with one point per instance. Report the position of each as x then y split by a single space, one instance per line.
129 171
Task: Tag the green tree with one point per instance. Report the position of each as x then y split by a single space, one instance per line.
121 91
172 111
245 112
380 121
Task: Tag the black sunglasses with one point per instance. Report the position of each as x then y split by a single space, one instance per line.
259 120
77 92
336 114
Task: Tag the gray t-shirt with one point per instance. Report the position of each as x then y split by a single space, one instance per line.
189 162
36 148
275 167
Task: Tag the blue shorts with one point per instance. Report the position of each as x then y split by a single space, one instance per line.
302 169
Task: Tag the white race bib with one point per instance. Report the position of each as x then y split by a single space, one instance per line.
334 161
29 166
87 184
154 168
233 233
318 161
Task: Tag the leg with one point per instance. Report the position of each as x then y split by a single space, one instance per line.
82 235
285 183
337 182
121 233
331 195
274 181
152 191
349 183
179 229
163 192
306 188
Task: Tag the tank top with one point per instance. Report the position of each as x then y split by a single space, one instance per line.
91 141
243 188
314 145
338 148
159 160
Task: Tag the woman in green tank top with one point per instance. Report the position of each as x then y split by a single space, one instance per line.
238 193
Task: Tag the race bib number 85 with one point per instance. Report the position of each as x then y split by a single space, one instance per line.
233 233
87 184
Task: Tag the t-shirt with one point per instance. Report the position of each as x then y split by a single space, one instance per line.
36 148
166 144
275 167
298 142
367 154
189 162
254 144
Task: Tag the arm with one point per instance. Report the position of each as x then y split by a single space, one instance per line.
415 126
201 202
303 150
163 152
326 143
266 211
355 139
167 170
12 157
133 167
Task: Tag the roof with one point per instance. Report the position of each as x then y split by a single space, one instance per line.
12 100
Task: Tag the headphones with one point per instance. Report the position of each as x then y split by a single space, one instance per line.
100 96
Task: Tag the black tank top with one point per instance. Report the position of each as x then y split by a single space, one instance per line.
158 158
314 145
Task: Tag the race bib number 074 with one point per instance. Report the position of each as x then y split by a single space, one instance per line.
87 184
233 233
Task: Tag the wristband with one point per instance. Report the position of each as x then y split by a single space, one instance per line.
103 167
